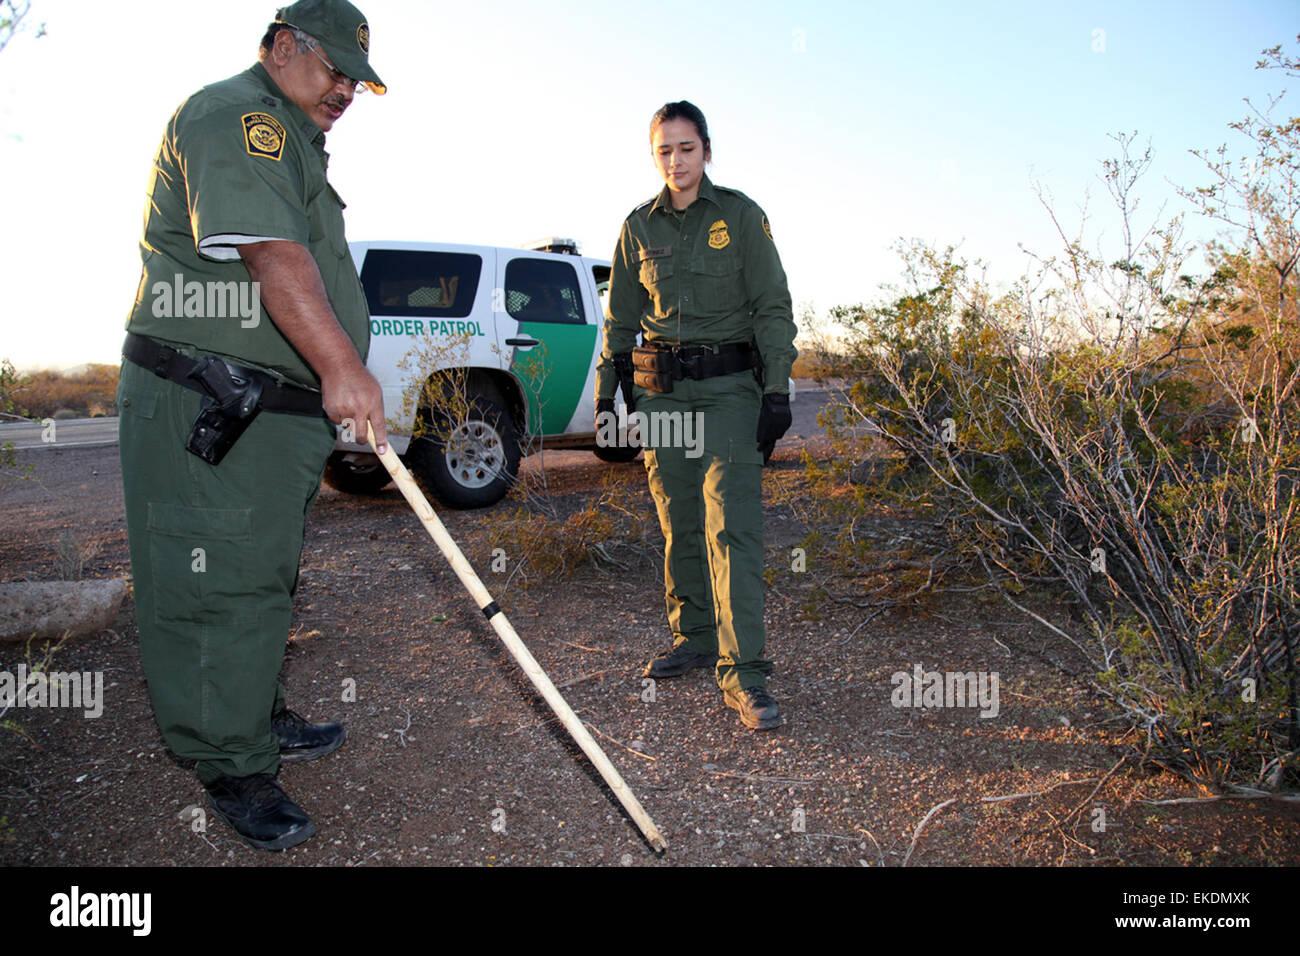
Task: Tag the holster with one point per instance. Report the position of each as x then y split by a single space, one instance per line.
624 369
229 407
232 394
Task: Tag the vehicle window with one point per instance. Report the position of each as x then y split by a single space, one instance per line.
541 290
409 282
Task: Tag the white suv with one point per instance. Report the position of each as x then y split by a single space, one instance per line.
506 303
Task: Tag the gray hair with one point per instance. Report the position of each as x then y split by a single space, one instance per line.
304 41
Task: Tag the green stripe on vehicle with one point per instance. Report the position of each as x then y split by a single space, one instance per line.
553 374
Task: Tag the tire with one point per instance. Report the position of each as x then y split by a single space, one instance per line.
617 455
356 473
477 464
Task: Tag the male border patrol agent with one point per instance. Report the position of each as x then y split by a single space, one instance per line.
222 435
704 285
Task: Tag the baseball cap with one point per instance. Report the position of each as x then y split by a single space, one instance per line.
342 30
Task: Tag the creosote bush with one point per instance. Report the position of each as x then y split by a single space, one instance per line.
610 532
1113 446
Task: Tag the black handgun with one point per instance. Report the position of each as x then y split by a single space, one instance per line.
228 409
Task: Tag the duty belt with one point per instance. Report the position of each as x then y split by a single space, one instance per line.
165 362
656 365
708 361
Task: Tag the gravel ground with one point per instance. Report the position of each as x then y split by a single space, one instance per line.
453 759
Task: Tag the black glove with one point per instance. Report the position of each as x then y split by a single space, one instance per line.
603 405
773 421
623 368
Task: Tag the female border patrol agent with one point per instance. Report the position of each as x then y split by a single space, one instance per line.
697 275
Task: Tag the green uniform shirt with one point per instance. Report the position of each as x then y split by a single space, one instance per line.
704 276
240 163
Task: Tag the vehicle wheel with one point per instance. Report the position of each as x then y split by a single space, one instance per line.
356 473
477 463
616 454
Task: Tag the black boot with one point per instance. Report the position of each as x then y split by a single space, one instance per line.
258 810
300 740
678 661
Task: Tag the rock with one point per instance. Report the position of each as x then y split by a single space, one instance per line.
49 608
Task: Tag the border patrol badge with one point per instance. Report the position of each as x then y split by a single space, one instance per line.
767 228
718 238
363 38
263 135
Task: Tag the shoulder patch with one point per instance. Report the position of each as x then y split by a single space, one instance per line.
718 237
263 135
767 228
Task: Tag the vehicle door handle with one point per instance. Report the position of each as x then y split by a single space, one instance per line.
523 343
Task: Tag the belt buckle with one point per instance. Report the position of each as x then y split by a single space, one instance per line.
693 365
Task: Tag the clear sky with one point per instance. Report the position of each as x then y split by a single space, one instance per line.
853 124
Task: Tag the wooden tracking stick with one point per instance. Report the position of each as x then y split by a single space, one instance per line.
451 551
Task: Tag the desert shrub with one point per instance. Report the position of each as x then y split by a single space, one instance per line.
11 383
610 531
1124 438
85 394
441 389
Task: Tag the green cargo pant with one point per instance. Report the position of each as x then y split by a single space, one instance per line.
214 559
709 494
